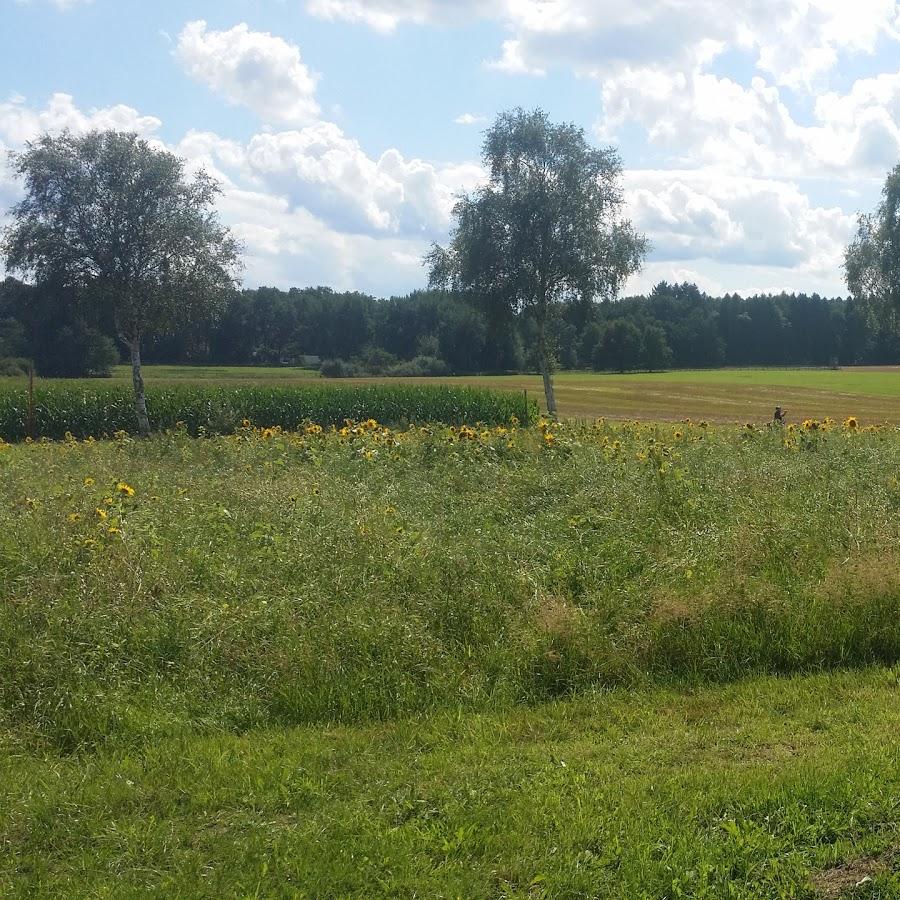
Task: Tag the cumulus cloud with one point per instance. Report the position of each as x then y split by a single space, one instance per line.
737 220
716 121
794 41
251 68
322 169
20 122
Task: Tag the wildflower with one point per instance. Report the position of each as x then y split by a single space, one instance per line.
101 513
113 530
120 435
125 489
31 503
514 421
549 438
108 501
850 423
678 435
73 517
88 482
245 423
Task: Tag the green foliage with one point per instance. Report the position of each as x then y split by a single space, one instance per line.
872 261
88 411
76 351
116 224
620 347
657 354
14 366
170 260
547 229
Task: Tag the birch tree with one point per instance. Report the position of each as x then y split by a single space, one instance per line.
123 225
547 228
872 261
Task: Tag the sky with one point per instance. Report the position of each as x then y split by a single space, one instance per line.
751 134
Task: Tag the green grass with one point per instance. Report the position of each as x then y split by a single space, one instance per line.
771 787
612 660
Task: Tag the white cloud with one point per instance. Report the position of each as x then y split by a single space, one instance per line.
321 169
20 122
794 41
386 15
251 68
512 61
737 220
470 119
716 121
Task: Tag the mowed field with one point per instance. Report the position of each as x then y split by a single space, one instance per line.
716 395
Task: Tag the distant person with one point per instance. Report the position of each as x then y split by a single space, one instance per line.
780 413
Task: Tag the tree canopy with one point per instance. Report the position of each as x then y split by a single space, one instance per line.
872 261
119 225
546 229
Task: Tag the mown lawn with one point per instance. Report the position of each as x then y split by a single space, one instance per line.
614 660
771 787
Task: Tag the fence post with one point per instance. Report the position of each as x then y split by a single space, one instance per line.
29 415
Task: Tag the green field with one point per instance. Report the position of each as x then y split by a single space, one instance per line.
600 660
716 395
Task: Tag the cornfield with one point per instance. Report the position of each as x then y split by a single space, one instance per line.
83 412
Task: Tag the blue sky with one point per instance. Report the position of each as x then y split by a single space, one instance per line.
342 129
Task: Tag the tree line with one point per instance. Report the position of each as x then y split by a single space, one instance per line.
123 251
431 332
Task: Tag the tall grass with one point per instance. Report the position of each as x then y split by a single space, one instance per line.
268 578
103 410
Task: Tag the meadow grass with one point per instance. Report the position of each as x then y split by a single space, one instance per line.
609 659
276 578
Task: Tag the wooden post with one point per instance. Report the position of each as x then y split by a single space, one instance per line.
29 415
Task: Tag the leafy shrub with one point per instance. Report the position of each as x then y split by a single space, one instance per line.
340 368
420 367
14 366
75 351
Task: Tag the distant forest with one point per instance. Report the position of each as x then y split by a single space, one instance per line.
433 333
